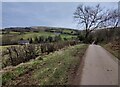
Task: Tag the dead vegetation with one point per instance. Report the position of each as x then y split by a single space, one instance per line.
15 55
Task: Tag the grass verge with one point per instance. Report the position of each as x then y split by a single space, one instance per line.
112 50
55 68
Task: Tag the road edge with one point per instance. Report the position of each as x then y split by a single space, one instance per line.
78 76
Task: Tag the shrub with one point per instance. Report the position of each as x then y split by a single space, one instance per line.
19 54
23 53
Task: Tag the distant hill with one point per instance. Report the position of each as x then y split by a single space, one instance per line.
40 28
44 28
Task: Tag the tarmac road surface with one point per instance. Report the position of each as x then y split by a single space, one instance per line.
100 67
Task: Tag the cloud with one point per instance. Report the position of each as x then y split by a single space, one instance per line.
49 14
41 14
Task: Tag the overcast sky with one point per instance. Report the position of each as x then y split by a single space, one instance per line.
56 14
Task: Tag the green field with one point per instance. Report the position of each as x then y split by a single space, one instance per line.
68 31
45 34
4 47
55 68
26 35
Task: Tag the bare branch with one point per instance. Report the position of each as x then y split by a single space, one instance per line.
96 17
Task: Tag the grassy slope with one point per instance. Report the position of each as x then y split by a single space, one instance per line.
34 34
45 34
54 69
4 47
113 51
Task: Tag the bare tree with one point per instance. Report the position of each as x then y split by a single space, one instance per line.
114 19
95 17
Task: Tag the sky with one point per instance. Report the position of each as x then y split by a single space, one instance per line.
53 14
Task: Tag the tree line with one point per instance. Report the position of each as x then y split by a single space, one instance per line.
15 55
42 39
8 40
107 35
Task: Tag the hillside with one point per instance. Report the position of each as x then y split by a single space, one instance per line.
53 56
58 68
14 34
39 28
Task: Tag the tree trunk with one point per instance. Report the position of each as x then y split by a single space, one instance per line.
86 36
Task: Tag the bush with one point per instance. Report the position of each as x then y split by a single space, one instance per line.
81 37
23 53
19 54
